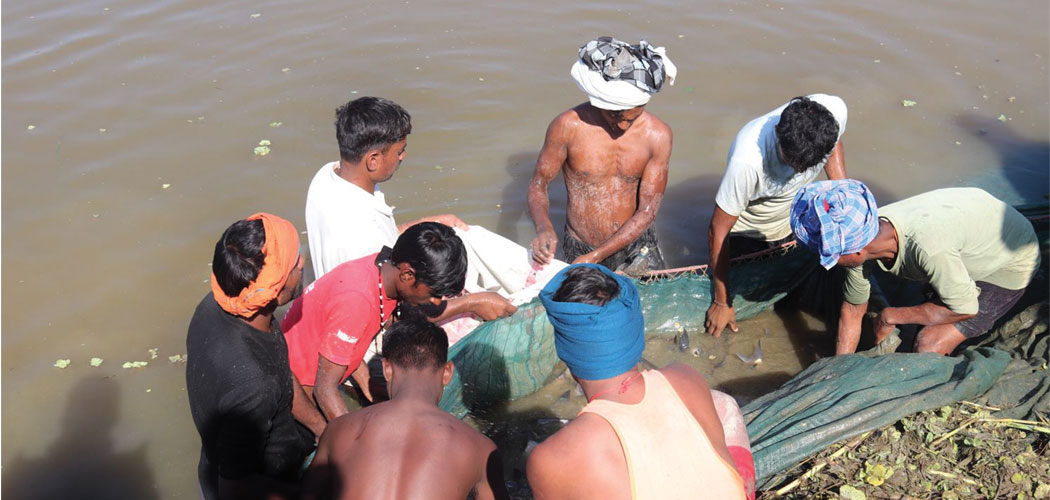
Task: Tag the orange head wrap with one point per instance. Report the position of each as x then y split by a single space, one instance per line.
281 252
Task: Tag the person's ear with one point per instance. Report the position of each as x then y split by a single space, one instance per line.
388 371
373 159
406 274
446 373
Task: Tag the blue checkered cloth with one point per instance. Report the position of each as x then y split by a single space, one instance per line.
639 65
834 218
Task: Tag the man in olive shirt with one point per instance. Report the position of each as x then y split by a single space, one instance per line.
977 254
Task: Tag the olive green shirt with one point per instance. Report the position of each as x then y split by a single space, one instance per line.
952 238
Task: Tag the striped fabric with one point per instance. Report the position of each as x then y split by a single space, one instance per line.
639 65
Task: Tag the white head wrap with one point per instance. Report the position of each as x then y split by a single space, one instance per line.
616 95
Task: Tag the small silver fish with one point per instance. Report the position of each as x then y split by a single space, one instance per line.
682 340
755 358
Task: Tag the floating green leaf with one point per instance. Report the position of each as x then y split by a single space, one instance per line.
907 103
153 353
135 364
62 363
96 361
262 150
275 124
1002 118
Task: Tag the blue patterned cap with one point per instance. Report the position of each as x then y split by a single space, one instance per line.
834 218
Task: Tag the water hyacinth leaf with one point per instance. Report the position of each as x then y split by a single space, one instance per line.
1002 118
153 353
96 361
907 103
135 364
261 150
275 124
264 142
61 363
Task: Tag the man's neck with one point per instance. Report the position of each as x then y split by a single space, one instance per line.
261 321
418 388
886 244
623 387
356 175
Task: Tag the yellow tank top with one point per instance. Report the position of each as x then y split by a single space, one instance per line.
668 454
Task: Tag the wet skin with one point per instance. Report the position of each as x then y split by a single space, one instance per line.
615 168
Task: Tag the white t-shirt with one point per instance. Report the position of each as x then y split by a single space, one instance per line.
758 187
345 222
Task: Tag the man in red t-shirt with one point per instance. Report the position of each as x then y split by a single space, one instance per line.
329 328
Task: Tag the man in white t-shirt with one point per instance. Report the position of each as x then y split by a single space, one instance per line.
772 158
346 214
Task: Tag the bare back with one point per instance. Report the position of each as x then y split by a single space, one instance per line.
402 450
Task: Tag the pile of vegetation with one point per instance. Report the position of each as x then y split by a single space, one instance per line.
960 451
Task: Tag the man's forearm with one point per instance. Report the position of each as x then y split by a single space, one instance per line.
539 206
923 314
304 410
627 234
849 327
719 268
329 400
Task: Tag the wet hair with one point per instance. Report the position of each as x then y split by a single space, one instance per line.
436 254
807 133
414 342
238 256
368 123
587 285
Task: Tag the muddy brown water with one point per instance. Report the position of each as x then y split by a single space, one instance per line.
129 128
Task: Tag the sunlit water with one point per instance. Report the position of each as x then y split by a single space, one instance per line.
128 131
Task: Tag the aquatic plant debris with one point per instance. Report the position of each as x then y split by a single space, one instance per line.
255 16
907 103
275 124
96 361
263 148
176 358
1002 118
165 186
61 363
31 127
153 353
135 364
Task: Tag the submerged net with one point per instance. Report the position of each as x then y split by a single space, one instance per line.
514 357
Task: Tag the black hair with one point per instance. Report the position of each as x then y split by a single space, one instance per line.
238 256
587 285
368 123
807 133
414 342
436 254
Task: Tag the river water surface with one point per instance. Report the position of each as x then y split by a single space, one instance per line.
129 128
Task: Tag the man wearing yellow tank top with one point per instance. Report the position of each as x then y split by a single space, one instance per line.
660 434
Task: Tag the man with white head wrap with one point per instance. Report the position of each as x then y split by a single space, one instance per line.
614 155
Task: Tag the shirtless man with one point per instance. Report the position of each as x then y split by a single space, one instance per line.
614 157
643 434
406 447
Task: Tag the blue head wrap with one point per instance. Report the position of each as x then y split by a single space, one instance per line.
597 342
834 218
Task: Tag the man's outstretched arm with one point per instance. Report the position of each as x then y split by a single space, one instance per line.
552 157
650 195
721 313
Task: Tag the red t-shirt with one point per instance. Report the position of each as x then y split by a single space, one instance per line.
336 317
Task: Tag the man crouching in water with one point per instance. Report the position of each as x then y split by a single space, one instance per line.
406 447
614 156
643 434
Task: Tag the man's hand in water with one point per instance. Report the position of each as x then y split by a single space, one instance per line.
543 247
718 317
490 305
